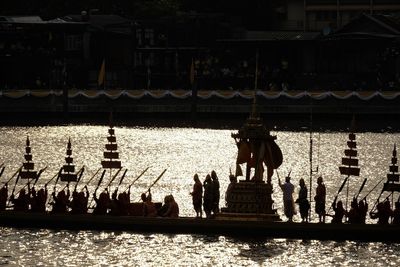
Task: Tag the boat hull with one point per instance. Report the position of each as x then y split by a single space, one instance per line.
185 225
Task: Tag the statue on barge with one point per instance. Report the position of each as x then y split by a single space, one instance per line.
257 150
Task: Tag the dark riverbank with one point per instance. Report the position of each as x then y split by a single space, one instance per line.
375 111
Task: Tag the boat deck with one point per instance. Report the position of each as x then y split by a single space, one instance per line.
186 225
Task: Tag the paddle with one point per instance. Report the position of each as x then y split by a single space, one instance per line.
340 190
18 170
158 178
120 180
2 170
113 178
12 192
137 178
98 185
94 175
79 178
36 180
370 191
361 188
56 175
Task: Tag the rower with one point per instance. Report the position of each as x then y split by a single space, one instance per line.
61 202
383 212
22 202
149 209
352 215
362 211
173 208
41 199
3 197
79 202
339 212
102 203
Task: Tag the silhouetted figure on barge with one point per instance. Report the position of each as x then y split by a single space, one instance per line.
22 202
60 202
288 204
173 208
302 201
149 208
208 196
320 199
216 193
102 203
383 212
396 213
340 212
197 196
362 211
79 202
3 197
353 214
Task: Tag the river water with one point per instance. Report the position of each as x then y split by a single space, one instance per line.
184 152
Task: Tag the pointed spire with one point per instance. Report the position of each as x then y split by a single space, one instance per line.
28 143
353 124
111 120
69 143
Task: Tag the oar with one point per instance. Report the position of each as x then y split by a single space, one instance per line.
340 190
2 170
94 175
361 188
36 180
98 185
56 175
79 178
158 178
113 178
137 178
370 191
19 169
16 181
120 180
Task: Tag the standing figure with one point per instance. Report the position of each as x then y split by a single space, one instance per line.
383 213
197 196
362 211
216 193
288 204
208 196
41 199
3 197
302 201
320 198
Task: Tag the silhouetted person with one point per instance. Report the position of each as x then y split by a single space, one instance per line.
303 202
102 203
208 196
320 198
3 197
352 215
216 193
288 203
339 212
149 208
197 196
22 202
362 211
383 212
61 202
41 199
173 208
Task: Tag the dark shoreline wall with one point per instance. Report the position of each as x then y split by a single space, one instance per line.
376 114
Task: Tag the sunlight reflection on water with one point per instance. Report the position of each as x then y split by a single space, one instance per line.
185 151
